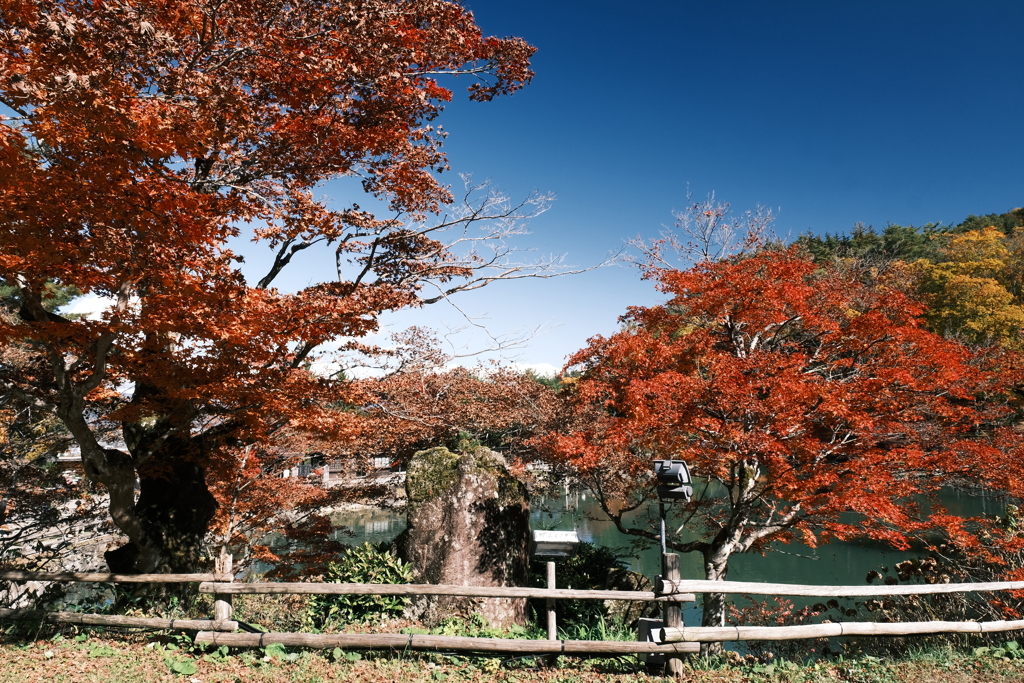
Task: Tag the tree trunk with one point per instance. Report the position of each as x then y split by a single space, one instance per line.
173 512
716 567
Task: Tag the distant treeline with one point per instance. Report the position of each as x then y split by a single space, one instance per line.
971 275
904 242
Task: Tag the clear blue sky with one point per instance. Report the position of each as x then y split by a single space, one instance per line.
830 113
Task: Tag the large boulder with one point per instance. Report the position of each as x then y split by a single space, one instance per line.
468 525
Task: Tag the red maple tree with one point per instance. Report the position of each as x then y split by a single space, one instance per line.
419 404
810 402
137 139
422 403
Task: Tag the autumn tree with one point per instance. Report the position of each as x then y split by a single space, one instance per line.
971 275
810 402
265 514
974 287
138 138
416 403
500 408
705 230
44 510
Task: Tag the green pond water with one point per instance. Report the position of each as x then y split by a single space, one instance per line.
833 563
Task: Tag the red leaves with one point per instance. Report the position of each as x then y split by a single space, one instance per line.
147 134
424 406
792 386
166 124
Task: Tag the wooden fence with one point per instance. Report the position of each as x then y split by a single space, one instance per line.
225 624
706 634
219 630
670 640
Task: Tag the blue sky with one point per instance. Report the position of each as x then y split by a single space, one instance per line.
829 113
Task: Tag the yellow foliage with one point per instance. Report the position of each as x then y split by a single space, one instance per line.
973 293
979 253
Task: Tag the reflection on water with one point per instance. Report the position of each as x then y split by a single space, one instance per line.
836 563
366 525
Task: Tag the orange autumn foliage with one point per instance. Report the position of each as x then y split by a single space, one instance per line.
810 402
137 139
502 408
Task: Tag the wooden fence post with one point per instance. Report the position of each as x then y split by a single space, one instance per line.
552 627
673 612
222 607
551 660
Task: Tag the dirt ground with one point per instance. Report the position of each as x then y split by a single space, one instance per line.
139 657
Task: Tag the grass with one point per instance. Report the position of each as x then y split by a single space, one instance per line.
46 654
33 654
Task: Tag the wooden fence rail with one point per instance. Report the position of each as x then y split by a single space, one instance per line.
117 620
416 641
706 634
293 588
86 577
664 587
221 621
673 640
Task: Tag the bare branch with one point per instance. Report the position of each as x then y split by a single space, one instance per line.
704 232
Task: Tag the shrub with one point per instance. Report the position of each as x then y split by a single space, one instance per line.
282 613
779 611
366 563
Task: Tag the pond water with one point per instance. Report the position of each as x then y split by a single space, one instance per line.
836 563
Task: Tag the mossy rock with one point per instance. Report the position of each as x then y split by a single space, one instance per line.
468 524
431 473
435 471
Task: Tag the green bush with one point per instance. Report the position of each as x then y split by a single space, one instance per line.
366 563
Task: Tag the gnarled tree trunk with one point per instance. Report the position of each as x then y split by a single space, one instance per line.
158 494
716 568
173 512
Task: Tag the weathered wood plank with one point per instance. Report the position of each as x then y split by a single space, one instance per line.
695 634
436 589
116 620
399 641
671 612
18 575
222 604
695 586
